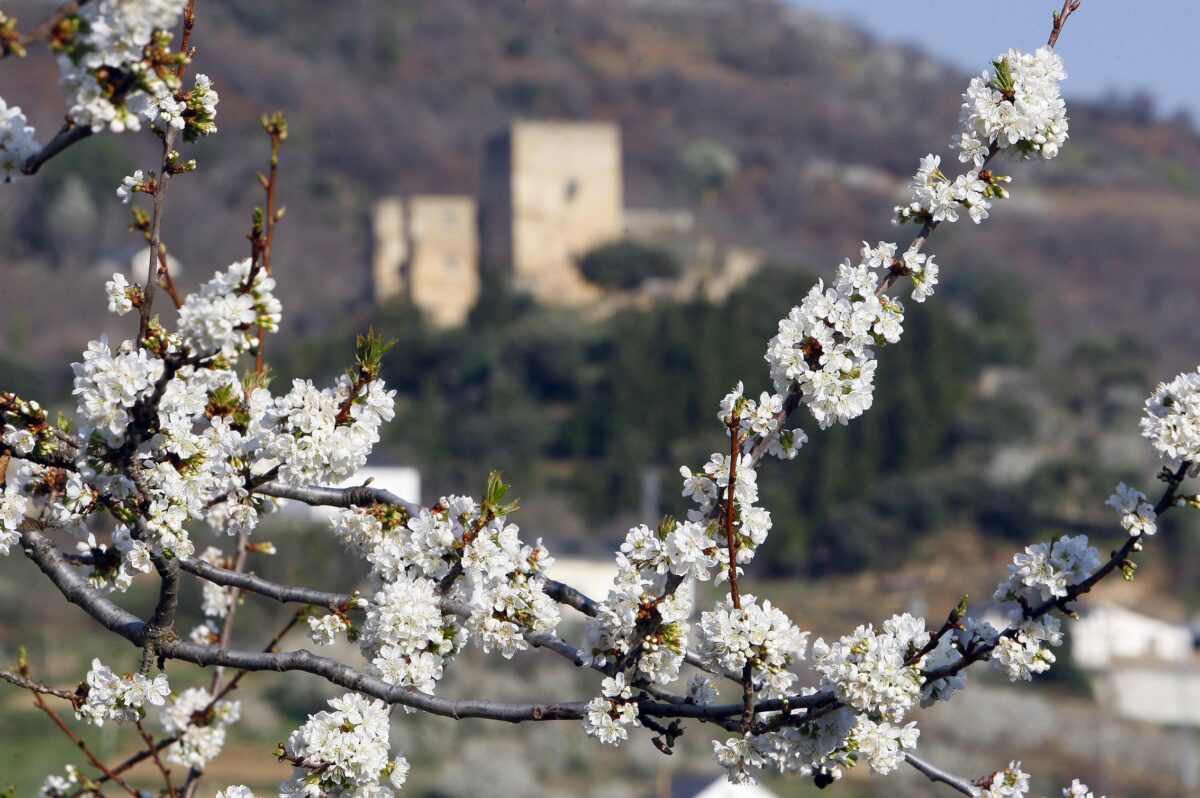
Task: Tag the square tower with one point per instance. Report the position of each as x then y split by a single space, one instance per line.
552 192
427 250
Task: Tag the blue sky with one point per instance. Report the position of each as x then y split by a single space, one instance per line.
1122 44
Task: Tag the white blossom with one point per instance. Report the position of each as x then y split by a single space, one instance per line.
119 698
17 143
1137 514
1012 782
1172 420
344 752
201 734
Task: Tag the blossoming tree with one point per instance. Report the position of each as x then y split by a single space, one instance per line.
177 428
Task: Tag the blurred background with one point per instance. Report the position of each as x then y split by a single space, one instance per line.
581 221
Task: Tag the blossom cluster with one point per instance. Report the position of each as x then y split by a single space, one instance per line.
110 385
198 723
13 507
611 713
758 634
119 698
218 318
108 73
825 346
325 435
461 552
876 673
937 198
344 752
17 143
639 610
1012 782
1046 570
1137 514
1172 420
62 786
1018 106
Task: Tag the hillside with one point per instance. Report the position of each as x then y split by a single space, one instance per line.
399 97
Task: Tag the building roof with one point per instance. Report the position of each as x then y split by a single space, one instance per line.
694 785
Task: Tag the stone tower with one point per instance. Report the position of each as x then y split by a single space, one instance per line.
551 192
427 250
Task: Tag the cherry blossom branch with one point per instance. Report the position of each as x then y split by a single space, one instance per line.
37 687
263 587
1060 19
73 586
939 776
321 496
1119 557
70 135
159 194
164 272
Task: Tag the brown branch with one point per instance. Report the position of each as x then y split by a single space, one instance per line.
81 745
239 562
189 21
731 538
131 762
269 648
164 272
160 188
158 763
160 198
38 687
1060 19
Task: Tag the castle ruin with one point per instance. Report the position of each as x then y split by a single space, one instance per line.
552 192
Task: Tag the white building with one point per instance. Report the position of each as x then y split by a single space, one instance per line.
691 786
1141 668
1109 632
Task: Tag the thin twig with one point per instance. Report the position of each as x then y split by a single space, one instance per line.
1060 19
38 687
239 562
160 188
936 774
158 763
81 745
189 21
164 272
